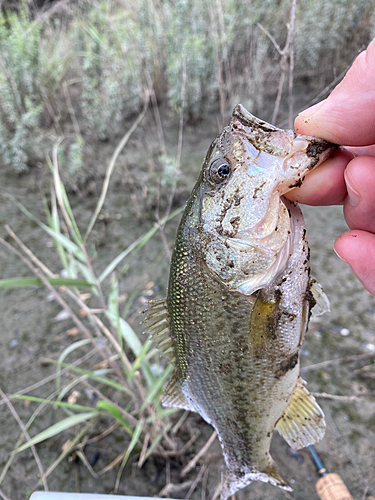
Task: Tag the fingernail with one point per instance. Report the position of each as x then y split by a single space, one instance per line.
310 111
353 196
338 255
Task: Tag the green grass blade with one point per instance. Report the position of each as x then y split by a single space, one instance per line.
54 224
94 376
22 436
139 359
132 341
67 388
55 429
133 442
113 310
113 299
68 208
67 451
136 245
30 282
89 276
72 267
62 197
135 345
155 442
93 32
165 413
115 412
69 245
128 333
64 354
157 386
59 404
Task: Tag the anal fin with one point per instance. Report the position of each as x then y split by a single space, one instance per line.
303 420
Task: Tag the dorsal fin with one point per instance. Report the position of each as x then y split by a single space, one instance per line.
303 420
156 317
157 320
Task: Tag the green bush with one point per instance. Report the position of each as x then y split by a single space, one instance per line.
20 97
116 48
109 55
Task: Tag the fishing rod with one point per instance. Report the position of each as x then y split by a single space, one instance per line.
330 486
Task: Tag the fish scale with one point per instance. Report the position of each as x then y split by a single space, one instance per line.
240 297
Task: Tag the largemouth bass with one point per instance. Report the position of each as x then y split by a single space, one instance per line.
240 297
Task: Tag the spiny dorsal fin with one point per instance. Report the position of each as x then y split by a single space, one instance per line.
321 300
156 310
173 395
156 318
303 420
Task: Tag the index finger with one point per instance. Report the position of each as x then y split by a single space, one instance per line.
325 185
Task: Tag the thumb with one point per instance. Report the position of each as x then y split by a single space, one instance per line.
347 116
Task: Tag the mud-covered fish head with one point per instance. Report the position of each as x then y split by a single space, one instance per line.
246 229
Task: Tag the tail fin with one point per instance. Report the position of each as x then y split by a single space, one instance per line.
231 483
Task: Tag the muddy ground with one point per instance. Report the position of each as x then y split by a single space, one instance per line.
28 334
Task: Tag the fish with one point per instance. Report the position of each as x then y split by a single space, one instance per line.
240 297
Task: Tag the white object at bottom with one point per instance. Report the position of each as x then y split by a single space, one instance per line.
50 495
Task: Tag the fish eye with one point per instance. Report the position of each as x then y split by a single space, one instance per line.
219 170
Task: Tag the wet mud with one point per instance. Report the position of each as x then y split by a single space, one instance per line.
30 333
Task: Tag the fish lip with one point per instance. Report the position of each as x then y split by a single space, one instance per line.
319 150
317 146
249 120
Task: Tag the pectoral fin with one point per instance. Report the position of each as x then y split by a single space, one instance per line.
317 303
303 420
321 300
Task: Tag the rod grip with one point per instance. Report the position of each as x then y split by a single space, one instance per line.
332 487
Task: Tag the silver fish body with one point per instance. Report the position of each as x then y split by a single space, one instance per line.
240 297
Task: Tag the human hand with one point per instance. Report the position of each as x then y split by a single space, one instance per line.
347 117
